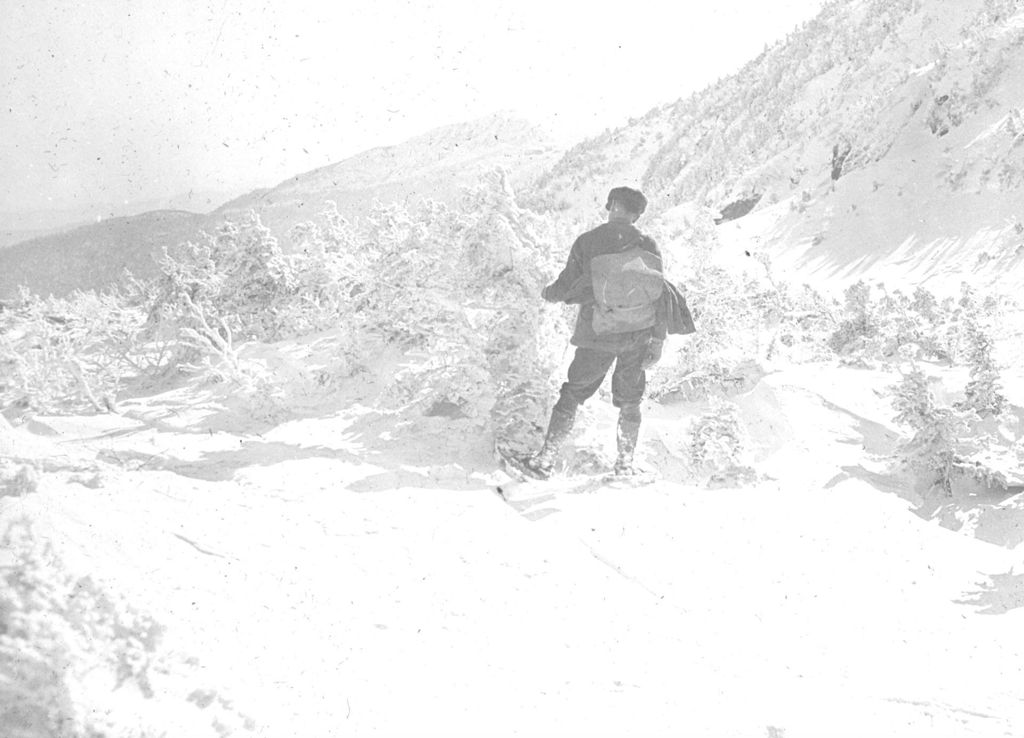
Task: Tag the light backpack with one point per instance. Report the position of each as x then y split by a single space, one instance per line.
627 286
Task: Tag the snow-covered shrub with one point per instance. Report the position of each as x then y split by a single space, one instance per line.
806 321
947 112
910 322
982 394
717 437
925 304
970 438
239 278
513 253
17 479
857 324
458 289
252 387
78 661
413 260
719 444
458 284
879 324
187 288
933 446
256 280
67 354
56 629
329 270
239 286
454 383
232 287
964 320
463 287
743 318
731 312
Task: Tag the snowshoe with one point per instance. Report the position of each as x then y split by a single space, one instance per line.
526 467
629 476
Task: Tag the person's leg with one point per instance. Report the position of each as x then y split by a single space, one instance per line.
586 372
627 433
628 383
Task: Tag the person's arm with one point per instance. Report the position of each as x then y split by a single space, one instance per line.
558 290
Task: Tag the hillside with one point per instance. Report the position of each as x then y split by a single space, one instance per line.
95 255
881 139
435 165
11 236
23 225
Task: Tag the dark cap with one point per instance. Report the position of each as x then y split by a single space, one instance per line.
632 200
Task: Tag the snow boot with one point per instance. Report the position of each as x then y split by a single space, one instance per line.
542 463
626 434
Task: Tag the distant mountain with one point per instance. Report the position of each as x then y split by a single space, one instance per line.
882 139
21 225
435 165
11 236
93 256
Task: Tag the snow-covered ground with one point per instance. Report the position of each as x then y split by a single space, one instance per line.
341 573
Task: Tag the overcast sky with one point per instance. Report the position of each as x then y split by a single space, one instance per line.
112 100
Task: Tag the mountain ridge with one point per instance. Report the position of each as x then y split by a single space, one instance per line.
436 163
94 256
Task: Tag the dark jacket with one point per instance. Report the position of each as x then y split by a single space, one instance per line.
574 286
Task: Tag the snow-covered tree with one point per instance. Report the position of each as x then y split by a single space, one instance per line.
932 448
983 393
238 277
67 354
719 445
858 325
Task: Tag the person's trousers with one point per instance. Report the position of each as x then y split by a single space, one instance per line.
588 369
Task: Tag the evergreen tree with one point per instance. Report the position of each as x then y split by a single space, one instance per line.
932 448
983 392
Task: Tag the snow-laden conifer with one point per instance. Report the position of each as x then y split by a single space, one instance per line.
932 449
983 393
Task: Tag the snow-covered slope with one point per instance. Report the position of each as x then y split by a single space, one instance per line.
880 140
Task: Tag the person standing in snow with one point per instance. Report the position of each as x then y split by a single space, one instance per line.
614 273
